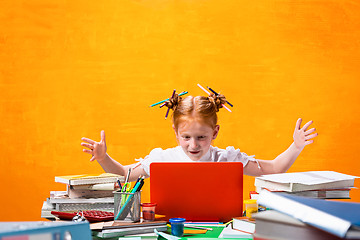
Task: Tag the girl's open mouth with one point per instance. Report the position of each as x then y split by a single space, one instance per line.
194 152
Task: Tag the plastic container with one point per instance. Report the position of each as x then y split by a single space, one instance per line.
177 226
251 207
148 211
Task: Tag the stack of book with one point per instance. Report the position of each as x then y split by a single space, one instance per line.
83 192
240 227
314 184
296 217
116 229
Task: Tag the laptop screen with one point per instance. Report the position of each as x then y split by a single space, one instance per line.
199 191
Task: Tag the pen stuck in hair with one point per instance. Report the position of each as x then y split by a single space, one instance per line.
218 94
180 94
209 94
167 112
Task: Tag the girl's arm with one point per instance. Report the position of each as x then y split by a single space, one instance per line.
283 162
98 152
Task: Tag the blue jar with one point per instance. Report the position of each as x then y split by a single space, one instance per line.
177 226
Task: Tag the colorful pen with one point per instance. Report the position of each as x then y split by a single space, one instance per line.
135 189
197 227
218 94
209 94
180 94
167 112
119 183
204 89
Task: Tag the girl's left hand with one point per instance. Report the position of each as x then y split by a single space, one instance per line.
302 136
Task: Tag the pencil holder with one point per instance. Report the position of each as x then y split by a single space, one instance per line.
127 206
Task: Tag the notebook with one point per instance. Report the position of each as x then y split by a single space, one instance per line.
199 191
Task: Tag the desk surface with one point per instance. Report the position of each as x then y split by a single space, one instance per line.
209 235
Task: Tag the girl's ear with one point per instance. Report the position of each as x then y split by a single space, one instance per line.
216 132
175 130
176 134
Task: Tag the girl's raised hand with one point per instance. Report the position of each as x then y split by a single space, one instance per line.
96 149
302 136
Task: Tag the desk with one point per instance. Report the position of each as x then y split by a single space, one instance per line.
209 235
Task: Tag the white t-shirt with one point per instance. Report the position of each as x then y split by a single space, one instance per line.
176 154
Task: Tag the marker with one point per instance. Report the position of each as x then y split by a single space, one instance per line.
118 181
141 184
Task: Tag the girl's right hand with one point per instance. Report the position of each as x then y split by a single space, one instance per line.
96 149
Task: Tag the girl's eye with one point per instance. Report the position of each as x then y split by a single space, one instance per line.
186 137
201 137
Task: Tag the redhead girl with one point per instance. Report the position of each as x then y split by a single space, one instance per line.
195 125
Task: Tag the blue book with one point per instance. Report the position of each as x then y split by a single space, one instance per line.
339 218
45 230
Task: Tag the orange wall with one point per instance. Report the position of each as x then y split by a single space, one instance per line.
69 69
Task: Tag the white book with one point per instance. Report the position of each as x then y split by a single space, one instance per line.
228 232
272 224
336 217
343 193
131 230
302 181
84 179
46 209
85 193
243 224
82 200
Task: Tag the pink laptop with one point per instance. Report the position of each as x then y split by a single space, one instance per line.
200 191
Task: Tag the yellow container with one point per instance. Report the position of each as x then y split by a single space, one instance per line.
251 207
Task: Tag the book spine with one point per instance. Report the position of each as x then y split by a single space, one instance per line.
92 181
82 200
89 193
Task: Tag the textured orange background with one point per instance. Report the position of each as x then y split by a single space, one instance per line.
69 69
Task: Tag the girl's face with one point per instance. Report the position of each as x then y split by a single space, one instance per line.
195 138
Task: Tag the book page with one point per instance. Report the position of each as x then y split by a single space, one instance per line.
308 178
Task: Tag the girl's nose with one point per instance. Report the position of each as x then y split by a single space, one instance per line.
193 143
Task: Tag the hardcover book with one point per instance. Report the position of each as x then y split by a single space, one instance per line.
303 181
336 217
272 224
89 179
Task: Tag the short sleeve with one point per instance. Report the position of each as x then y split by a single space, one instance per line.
154 156
230 154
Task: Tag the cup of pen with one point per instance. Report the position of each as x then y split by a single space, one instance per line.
127 206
